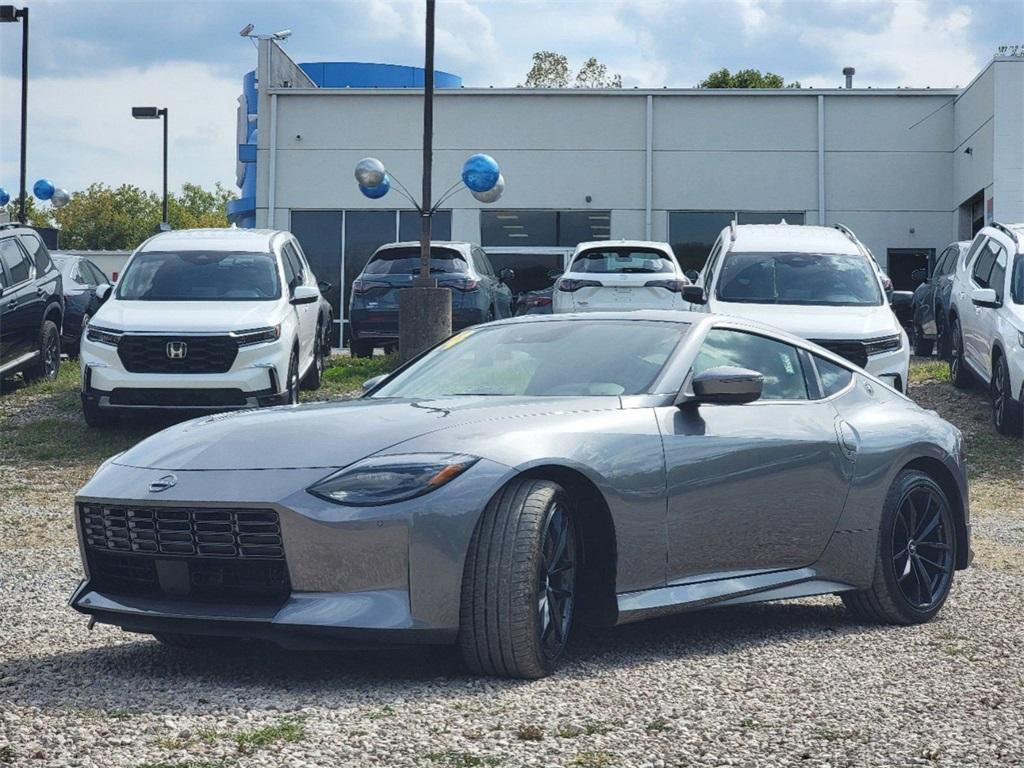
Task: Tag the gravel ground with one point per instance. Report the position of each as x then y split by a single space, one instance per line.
794 683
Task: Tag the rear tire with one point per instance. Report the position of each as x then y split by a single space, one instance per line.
923 347
915 558
359 348
96 417
519 584
1006 412
942 341
958 373
47 366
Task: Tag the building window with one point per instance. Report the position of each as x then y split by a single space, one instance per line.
542 228
692 233
409 225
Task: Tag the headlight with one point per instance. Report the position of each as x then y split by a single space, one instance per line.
257 336
103 335
387 479
884 344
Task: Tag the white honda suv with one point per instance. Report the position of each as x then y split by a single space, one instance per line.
987 321
207 320
620 274
820 283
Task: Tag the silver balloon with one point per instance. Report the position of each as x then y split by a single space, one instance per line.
369 172
492 194
60 198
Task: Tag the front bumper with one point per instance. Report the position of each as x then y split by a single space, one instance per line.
356 575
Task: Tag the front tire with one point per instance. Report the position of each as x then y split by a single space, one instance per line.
915 558
315 374
519 586
48 365
292 393
958 374
96 417
922 346
1006 412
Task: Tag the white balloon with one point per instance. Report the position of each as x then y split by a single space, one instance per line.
492 194
60 198
369 172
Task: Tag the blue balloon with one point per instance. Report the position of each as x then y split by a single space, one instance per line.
480 172
5 198
379 191
43 189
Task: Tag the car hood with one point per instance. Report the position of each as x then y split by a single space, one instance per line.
185 316
818 322
328 435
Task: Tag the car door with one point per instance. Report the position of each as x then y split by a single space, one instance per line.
756 487
307 313
977 332
23 303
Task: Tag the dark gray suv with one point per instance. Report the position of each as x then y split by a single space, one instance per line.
479 294
31 306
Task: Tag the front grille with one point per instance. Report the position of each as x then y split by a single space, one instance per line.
181 398
213 554
165 354
241 533
852 350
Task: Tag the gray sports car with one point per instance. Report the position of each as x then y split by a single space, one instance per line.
529 475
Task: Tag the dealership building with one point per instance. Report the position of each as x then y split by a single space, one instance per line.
908 170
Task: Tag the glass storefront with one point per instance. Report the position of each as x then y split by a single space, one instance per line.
518 228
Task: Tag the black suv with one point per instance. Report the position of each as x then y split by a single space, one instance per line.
31 306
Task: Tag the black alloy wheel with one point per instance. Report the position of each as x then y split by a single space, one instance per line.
47 365
958 374
556 581
922 546
293 378
1006 412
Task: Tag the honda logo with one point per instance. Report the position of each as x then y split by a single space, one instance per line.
177 350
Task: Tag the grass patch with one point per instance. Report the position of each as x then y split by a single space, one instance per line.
289 729
457 759
52 440
657 725
344 375
928 370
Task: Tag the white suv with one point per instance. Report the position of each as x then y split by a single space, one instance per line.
209 320
820 283
987 321
620 274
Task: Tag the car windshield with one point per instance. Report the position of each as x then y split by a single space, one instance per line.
200 276
1017 280
406 261
622 261
559 358
819 279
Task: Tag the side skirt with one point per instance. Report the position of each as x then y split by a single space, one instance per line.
777 585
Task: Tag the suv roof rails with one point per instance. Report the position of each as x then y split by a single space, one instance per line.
11 224
846 231
1006 231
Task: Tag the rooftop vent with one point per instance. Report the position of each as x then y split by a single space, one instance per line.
849 72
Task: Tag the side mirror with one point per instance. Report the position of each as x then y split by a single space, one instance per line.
507 275
694 294
305 294
901 299
985 297
325 287
371 383
725 385
692 275
103 291
919 275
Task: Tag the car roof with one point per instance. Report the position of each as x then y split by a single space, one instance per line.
458 245
652 244
792 238
225 239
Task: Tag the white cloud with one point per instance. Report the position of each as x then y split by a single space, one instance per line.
81 129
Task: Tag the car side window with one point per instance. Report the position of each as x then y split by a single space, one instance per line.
96 272
19 268
483 264
296 264
972 252
997 277
982 265
834 378
946 261
37 252
85 275
289 269
779 363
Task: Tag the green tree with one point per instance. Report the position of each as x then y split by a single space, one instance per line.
36 216
745 78
105 218
551 70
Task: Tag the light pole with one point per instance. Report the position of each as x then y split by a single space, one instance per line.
8 13
424 309
153 113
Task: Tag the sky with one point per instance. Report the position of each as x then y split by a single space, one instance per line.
91 60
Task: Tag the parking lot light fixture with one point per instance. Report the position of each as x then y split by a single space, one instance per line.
154 113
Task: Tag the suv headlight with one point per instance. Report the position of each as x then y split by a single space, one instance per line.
884 344
257 336
106 336
387 479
